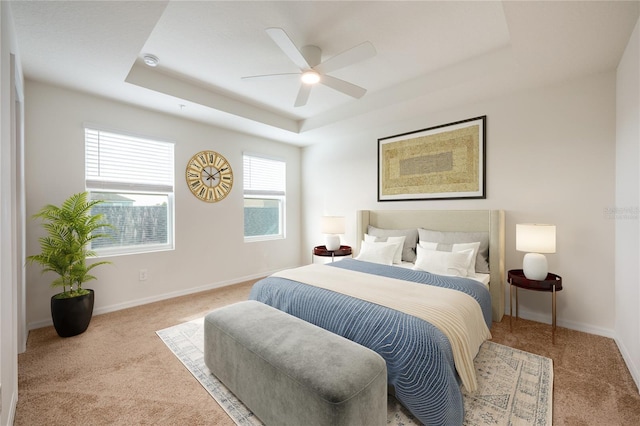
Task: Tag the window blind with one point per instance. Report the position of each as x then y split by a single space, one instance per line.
119 162
264 176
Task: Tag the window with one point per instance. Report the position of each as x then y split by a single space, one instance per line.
264 198
134 177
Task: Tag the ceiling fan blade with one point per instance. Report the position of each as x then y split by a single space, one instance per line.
343 86
355 54
271 76
303 95
288 47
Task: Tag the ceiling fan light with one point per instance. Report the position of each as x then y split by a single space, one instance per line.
310 77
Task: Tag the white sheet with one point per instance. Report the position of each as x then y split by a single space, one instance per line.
483 278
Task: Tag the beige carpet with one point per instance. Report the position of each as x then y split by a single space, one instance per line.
514 387
120 373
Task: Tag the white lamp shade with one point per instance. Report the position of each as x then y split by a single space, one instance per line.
536 238
332 225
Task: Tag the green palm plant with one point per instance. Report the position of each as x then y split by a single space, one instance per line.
70 228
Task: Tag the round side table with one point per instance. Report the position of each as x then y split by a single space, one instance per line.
323 252
552 283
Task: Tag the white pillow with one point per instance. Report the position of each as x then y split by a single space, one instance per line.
411 239
471 270
443 262
397 258
447 239
428 245
377 252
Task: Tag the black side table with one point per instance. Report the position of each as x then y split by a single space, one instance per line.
323 252
551 284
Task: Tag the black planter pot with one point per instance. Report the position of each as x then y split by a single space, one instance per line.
72 316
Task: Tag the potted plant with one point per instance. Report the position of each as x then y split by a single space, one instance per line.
64 250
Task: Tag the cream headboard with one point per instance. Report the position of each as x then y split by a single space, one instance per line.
491 221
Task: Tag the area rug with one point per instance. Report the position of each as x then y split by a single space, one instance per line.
514 387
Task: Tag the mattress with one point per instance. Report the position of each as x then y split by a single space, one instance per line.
419 356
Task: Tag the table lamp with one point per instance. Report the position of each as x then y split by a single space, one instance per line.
332 226
535 239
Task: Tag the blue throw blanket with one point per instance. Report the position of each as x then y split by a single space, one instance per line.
419 359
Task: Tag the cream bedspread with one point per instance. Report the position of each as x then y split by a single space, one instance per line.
457 315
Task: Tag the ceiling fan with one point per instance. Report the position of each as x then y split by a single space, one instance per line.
312 71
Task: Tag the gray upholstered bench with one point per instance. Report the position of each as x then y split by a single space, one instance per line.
290 372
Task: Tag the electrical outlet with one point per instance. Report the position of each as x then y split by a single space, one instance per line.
143 275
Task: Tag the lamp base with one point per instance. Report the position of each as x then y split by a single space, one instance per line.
332 242
534 266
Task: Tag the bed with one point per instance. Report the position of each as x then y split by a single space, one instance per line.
427 327
491 221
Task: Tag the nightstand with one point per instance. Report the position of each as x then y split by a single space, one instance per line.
323 252
552 284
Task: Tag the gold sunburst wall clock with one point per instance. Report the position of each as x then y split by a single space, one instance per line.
209 176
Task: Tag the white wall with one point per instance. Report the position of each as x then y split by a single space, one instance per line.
210 250
550 159
627 270
11 260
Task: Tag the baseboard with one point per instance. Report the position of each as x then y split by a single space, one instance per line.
157 298
12 409
572 325
628 359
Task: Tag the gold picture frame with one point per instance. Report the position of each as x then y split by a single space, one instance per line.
441 162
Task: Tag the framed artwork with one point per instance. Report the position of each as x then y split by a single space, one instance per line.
442 162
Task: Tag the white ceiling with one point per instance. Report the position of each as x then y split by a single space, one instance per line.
431 53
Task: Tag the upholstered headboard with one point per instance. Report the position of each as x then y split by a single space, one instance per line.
491 221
